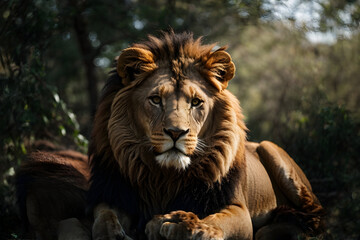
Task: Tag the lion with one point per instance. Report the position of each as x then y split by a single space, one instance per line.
170 158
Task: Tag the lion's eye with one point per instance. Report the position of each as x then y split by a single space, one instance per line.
155 100
196 102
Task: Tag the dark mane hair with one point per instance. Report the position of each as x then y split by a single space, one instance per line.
172 46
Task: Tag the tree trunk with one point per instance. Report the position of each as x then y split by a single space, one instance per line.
87 53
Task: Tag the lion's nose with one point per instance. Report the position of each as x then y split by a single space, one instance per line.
175 133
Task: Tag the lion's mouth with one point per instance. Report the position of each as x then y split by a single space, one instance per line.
173 150
173 158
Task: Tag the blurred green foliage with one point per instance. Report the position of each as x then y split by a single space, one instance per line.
305 96
328 132
33 110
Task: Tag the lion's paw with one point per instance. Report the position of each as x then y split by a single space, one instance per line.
181 225
107 227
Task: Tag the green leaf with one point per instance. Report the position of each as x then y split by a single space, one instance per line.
23 148
62 130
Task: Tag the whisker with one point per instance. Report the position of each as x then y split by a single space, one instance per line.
198 150
202 143
200 146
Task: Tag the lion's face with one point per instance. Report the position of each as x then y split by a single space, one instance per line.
172 114
173 93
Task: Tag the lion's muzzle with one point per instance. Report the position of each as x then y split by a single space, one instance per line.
172 148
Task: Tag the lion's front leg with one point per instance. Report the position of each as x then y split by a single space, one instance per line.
232 222
106 225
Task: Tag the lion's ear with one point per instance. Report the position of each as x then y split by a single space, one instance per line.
133 62
222 67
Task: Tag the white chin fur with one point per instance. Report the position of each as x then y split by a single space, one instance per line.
173 159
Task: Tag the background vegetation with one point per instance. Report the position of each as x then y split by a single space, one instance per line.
301 93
